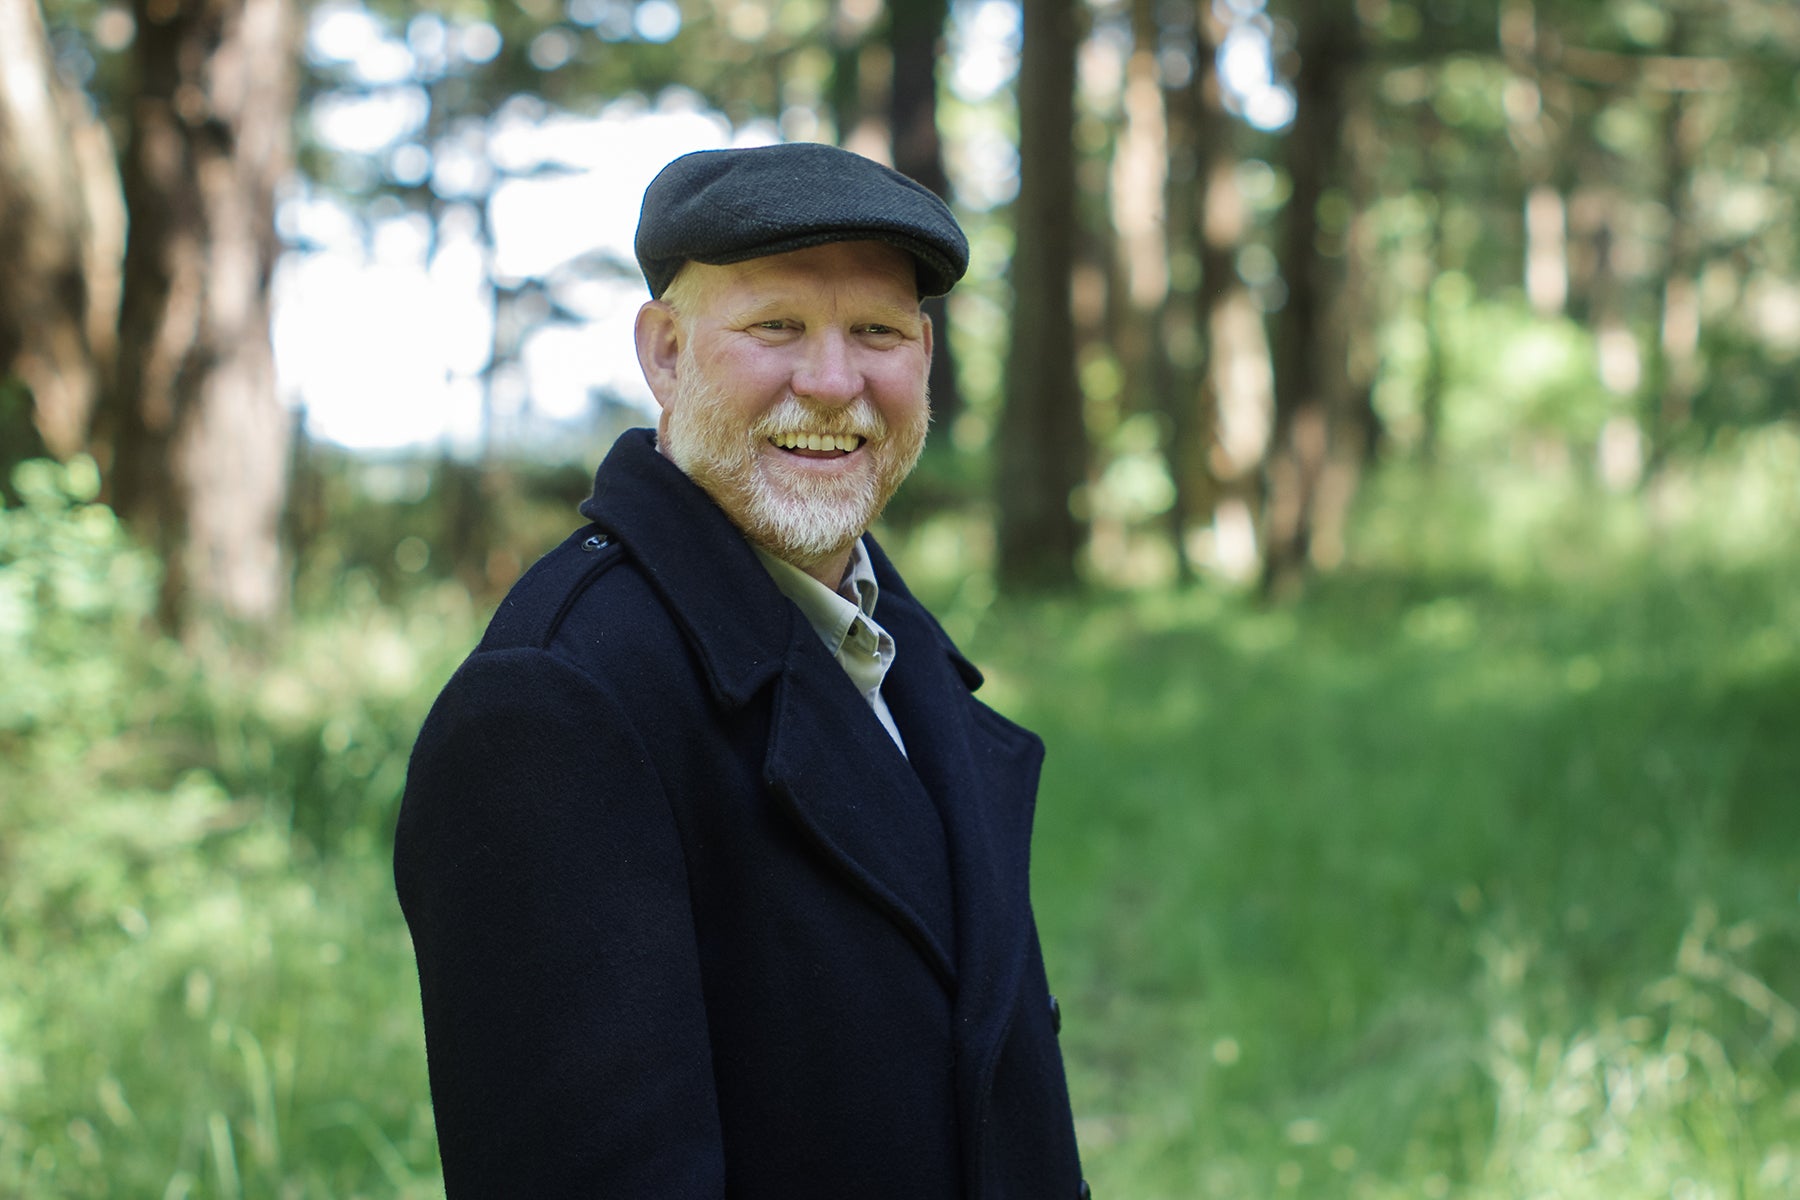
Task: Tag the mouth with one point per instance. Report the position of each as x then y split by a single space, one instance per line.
818 445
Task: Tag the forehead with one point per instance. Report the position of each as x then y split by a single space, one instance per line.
860 273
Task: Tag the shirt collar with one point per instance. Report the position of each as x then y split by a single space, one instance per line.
859 584
833 614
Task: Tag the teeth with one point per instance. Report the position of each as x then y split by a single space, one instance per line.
817 441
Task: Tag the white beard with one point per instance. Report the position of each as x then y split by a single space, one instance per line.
803 517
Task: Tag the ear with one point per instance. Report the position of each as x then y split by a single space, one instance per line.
658 335
928 337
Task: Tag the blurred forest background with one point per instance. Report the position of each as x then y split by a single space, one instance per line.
1367 448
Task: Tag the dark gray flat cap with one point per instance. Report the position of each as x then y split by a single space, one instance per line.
725 206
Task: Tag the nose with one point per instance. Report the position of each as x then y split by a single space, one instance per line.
827 372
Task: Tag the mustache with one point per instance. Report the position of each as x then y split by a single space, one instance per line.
859 418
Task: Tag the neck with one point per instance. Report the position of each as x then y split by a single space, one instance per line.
830 571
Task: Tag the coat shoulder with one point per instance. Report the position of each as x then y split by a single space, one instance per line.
588 604
538 604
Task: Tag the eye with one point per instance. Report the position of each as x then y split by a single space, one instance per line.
773 330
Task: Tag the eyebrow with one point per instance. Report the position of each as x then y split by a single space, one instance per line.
880 312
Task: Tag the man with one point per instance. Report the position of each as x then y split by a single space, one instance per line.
715 869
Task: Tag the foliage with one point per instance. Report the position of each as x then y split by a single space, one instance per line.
197 999
403 522
1507 375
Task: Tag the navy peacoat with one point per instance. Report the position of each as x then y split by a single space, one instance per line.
687 922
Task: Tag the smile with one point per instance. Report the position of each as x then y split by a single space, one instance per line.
831 443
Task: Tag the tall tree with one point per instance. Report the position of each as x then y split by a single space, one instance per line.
1675 358
1192 416
1138 196
61 228
1223 432
1535 128
198 439
1353 338
1041 457
1309 367
915 43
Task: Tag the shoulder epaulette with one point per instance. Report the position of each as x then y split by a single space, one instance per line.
536 605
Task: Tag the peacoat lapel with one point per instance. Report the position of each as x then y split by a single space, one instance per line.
828 762
983 771
842 778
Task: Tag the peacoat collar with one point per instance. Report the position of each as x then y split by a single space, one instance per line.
707 576
700 566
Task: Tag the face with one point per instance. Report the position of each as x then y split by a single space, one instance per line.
793 390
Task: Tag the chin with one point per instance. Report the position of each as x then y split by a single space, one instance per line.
811 524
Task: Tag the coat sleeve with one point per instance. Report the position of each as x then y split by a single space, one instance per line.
542 876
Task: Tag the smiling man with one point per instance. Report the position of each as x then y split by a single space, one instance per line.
715 868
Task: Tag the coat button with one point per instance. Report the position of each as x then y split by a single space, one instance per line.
1055 1016
1082 1192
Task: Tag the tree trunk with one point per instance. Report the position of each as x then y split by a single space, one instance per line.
1308 374
1431 387
1139 184
861 79
1128 258
1536 137
1352 341
915 38
62 230
1191 413
1235 411
199 439
1675 354
1043 443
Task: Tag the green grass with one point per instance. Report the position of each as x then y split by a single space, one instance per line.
1446 882
1474 875
1335 896
205 987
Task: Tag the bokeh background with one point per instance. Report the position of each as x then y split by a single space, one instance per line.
1367 448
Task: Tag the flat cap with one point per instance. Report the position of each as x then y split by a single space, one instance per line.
726 206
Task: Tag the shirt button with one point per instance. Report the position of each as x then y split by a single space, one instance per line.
1055 1016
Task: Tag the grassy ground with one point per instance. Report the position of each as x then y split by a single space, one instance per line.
1440 891
1473 876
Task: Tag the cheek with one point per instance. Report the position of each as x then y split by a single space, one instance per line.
900 394
730 385
744 360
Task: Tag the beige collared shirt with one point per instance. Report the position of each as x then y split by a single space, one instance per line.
845 622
